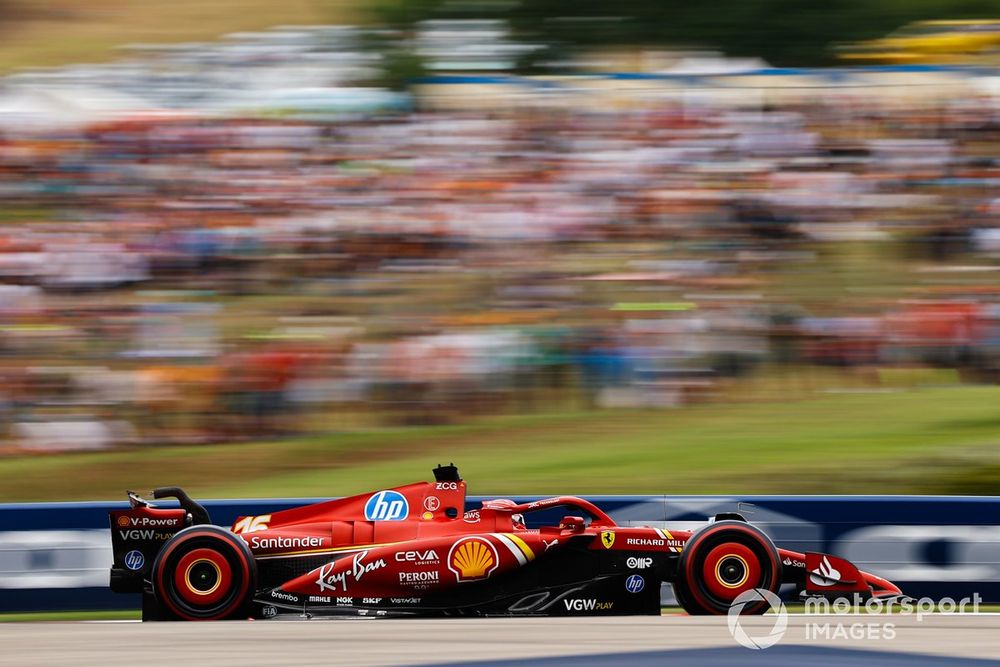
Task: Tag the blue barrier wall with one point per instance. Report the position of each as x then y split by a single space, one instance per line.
56 556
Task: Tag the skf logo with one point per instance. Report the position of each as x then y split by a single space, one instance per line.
251 524
607 539
387 506
472 559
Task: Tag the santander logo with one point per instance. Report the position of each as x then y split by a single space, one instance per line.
825 574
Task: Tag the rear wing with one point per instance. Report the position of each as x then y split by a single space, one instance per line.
138 534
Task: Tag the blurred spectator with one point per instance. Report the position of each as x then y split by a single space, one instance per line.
196 267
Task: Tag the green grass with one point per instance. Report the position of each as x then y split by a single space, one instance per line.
900 442
104 615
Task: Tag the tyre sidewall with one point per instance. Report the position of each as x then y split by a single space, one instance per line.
230 547
689 588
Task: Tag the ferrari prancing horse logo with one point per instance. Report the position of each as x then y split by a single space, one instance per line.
607 538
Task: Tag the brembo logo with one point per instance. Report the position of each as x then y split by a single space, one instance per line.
387 506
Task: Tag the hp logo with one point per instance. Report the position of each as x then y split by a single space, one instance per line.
635 583
386 506
134 560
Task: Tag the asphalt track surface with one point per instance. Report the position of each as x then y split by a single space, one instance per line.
636 641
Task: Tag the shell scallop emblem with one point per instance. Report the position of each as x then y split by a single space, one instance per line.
472 559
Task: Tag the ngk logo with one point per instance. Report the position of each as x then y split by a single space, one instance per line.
639 563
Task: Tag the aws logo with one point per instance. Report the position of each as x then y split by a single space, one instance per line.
387 506
472 559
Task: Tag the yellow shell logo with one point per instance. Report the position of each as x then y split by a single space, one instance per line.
472 558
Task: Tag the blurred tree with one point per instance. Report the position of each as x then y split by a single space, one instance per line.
401 66
783 32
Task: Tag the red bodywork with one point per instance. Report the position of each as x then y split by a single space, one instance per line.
378 549
414 549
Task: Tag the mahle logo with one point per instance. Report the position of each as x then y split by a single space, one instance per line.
760 638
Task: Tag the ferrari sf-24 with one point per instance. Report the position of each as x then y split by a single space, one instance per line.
415 550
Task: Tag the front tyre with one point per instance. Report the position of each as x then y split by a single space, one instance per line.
723 560
205 573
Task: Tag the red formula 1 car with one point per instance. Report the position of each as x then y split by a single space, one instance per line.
413 550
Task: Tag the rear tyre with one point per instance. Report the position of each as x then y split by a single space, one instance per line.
722 561
205 573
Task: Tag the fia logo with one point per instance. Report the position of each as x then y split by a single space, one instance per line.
635 583
387 506
134 560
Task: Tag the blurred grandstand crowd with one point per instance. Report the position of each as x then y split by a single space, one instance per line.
189 277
